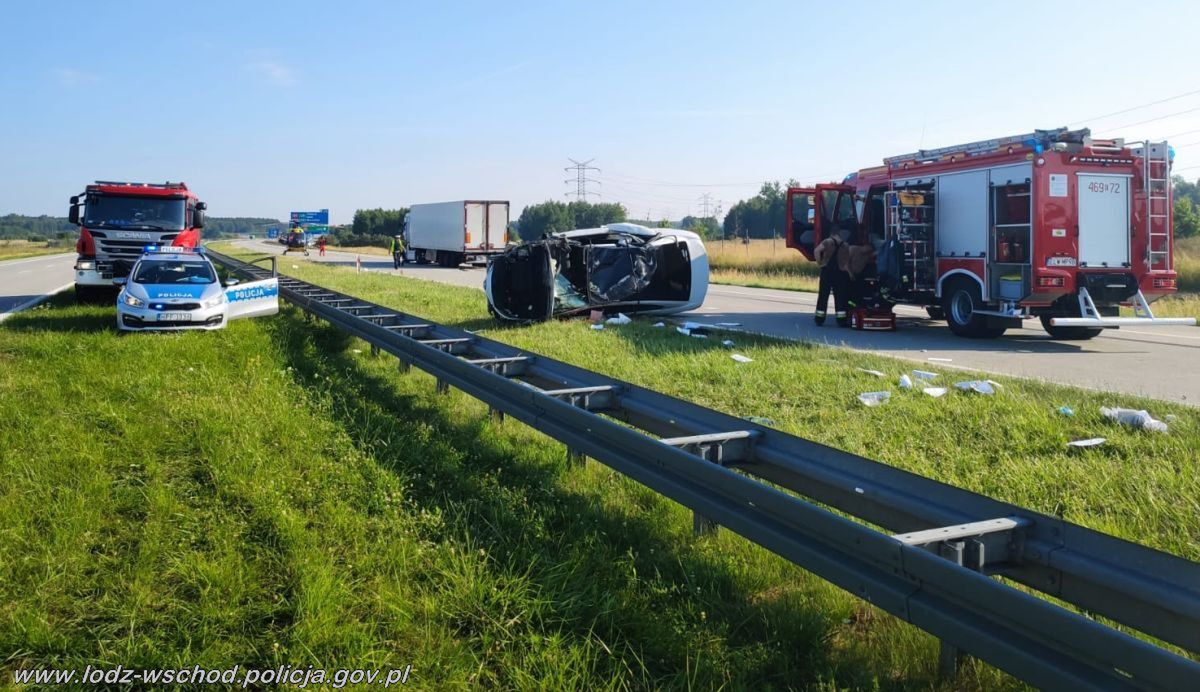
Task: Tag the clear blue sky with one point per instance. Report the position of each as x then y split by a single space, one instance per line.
265 108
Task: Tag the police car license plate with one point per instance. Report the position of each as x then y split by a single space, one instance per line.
174 317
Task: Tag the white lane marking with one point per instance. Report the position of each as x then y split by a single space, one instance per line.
42 258
34 301
23 271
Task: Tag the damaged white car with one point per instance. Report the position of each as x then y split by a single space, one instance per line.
620 267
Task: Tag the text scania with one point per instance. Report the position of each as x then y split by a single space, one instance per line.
236 676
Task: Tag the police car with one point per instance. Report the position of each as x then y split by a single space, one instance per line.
174 288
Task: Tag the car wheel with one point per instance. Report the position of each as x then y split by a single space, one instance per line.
960 305
1069 333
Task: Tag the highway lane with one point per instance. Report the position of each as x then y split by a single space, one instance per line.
1156 362
25 282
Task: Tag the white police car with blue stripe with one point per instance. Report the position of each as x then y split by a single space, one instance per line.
174 288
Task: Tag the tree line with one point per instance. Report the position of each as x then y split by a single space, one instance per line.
1187 207
537 220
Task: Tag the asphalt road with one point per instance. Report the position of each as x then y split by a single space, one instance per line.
1156 362
25 282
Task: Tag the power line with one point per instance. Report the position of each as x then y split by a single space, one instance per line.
705 201
581 179
1134 108
1152 120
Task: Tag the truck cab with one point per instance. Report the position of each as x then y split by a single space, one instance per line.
118 219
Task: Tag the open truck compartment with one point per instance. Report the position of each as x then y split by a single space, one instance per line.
629 269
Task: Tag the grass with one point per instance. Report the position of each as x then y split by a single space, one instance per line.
18 249
761 264
272 494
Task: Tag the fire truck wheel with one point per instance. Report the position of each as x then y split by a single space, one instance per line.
1069 333
960 301
935 312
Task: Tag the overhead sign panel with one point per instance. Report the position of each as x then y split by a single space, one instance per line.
311 217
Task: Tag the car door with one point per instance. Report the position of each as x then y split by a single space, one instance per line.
253 299
521 284
813 213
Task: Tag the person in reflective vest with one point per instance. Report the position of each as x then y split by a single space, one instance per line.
832 255
397 249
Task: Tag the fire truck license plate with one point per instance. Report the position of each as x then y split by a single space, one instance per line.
174 317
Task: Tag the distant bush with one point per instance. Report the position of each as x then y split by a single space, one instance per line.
34 238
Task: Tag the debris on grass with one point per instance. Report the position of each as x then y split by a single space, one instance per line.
740 358
935 392
1090 442
621 318
699 336
1134 419
659 324
1066 410
906 382
924 375
684 331
759 420
978 386
872 372
727 343
598 327
874 398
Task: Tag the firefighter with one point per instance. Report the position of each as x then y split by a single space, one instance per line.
397 249
829 255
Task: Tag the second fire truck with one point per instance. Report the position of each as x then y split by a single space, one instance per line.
1054 225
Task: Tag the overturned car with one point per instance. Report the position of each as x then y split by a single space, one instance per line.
621 267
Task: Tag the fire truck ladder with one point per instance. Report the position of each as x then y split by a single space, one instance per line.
1156 181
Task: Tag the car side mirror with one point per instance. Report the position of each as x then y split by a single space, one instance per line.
198 217
120 281
202 206
232 282
73 214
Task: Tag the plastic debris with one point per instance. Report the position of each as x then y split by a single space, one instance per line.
1135 419
699 336
740 358
1066 410
874 398
978 386
727 343
995 384
684 331
295 266
659 324
1090 442
924 374
906 382
941 360
759 420
621 318
872 372
597 327
353 350
935 392
1170 417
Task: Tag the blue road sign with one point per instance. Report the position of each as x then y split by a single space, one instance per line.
311 217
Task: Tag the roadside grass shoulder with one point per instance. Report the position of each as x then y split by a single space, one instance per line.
761 264
20 249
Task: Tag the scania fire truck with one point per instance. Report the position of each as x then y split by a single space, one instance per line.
118 220
1053 224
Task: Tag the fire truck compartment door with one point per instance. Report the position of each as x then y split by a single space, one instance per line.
962 214
1103 220
254 299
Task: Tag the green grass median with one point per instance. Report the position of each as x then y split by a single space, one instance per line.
272 494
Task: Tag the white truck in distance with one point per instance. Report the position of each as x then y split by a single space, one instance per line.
450 233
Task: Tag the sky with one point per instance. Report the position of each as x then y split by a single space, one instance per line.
265 108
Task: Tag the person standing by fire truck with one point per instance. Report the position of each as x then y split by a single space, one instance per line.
833 278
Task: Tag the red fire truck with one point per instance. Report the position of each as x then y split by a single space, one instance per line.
1053 224
118 220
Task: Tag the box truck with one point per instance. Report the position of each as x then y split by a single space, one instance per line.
451 233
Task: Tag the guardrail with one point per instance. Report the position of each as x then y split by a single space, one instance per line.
923 550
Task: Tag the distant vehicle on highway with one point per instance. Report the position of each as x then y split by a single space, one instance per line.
620 267
116 220
450 233
175 288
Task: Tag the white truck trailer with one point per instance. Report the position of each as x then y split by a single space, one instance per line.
450 233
